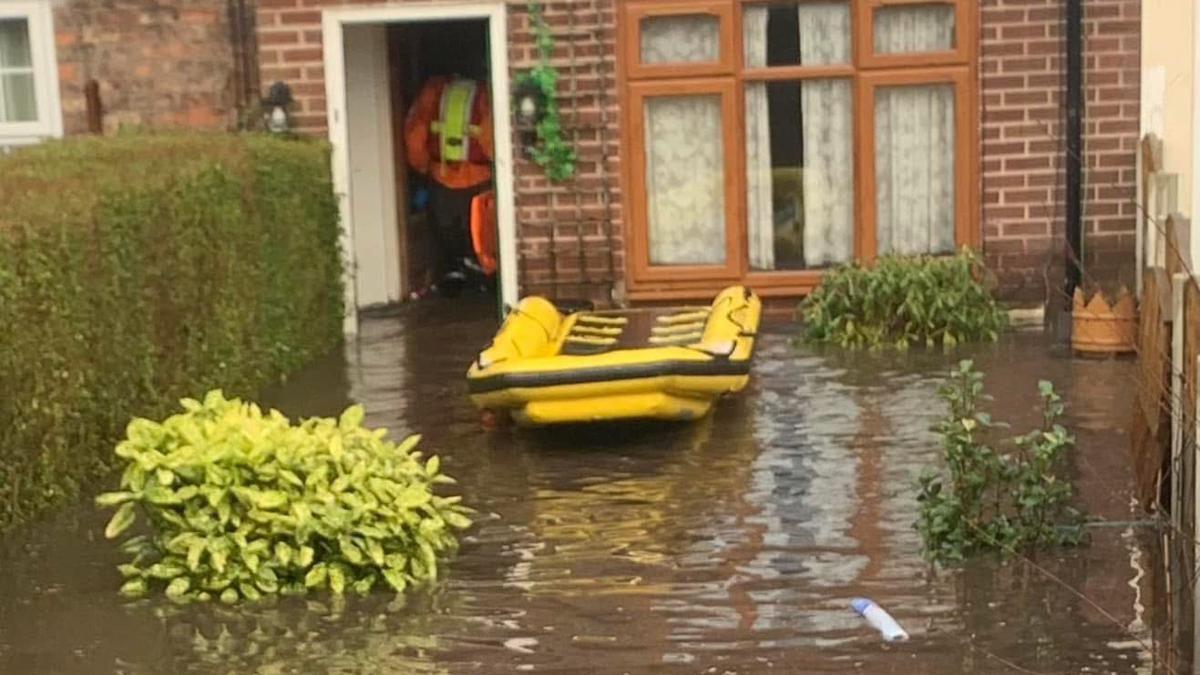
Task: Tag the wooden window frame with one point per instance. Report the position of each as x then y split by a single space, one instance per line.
965 151
964 36
639 240
635 12
866 71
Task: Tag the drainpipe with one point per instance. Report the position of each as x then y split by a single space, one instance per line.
243 41
1074 142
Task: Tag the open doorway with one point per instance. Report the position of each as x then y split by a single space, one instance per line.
421 149
426 59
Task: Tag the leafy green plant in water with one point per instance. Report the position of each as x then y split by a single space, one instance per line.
552 152
240 504
990 500
904 301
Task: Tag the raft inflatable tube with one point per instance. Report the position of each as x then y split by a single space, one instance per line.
544 367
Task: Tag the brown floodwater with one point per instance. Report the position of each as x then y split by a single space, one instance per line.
731 545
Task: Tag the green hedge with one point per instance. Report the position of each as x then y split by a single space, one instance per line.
139 269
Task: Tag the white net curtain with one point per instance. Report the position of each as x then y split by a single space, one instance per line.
914 143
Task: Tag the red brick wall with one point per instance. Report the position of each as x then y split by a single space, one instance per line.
1023 183
159 63
1021 78
569 234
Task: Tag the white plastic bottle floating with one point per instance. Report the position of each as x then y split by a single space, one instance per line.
879 619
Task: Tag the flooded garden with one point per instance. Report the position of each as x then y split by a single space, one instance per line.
731 545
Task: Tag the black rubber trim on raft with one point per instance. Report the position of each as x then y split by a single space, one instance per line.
634 371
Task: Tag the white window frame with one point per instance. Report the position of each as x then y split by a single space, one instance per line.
49 124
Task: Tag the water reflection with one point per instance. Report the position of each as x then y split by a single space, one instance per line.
729 545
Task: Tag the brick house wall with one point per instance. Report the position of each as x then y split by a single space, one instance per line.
570 237
1022 74
569 234
159 63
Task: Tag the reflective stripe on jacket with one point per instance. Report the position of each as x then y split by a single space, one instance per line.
448 132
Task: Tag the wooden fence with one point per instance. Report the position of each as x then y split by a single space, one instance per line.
1166 421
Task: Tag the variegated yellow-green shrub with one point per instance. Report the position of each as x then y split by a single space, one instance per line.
239 503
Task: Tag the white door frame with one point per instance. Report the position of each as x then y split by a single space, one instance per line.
333 22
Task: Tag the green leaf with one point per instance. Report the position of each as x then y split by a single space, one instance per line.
194 553
456 520
283 553
352 418
120 521
110 499
161 496
413 496
375 551
164 570
306 556
178 587
350 551
363 586
316 576
129 570
337 579
267 581
250 592
134 588
395 579
219 558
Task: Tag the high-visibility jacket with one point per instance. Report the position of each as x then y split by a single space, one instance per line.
448 132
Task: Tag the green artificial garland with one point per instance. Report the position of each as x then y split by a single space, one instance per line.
551 153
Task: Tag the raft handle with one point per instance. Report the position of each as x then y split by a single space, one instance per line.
574 306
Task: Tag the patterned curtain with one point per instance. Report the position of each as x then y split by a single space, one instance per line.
914 28
760 211
685 180
685 155
686 38
914 140
827 121
826 125
914 169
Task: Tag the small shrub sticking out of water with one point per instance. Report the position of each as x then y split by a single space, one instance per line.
902 301
990 500
240 504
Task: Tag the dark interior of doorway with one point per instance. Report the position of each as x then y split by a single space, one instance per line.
418 51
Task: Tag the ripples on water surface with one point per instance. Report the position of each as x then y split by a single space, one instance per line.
730 545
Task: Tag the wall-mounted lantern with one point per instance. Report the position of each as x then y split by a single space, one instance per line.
276 108
530 105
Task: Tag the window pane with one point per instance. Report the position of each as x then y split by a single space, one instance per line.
688 38
799 173
14 44
685 180
17 100
809 34
914 169
905 29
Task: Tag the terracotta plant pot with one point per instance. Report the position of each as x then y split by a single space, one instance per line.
1099 328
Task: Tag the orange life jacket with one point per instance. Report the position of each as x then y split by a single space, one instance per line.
483 230
442 141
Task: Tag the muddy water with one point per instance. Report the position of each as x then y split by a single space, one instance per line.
733 545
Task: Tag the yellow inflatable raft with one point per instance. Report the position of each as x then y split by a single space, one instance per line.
662 363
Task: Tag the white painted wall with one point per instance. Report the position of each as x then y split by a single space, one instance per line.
1168 70
372 190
